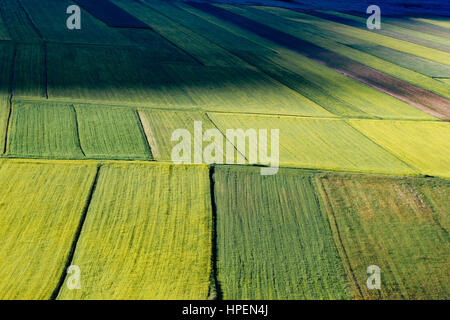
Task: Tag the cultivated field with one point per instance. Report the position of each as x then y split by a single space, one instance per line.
411 140
390 223
43 131
88 130
318 143
147 234
111 133
42 205
270 235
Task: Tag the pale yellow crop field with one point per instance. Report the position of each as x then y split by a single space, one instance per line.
40 210
315 143
423 144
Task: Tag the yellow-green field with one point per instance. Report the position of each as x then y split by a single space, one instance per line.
41 209
147 234
96 125
424 145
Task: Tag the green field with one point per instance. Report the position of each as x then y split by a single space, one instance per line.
159 126
397 32
41 206
147 234
4 114
205 52
397 44
423 66
51 23
18 25
111 133
424 145
39 130
318 144
272 240
333 91
390 223
326 38
6 61
96 126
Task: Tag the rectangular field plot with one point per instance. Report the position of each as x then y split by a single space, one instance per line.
111 133
424 145
42 205
272 240
328 144
6 62
147 234
392 224
113 74
43 131
160 125
29 71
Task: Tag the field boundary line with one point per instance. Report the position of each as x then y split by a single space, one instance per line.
200 108
77 128
215 291
337 234
77 235
11 95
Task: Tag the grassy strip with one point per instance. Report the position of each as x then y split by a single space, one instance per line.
390 30
326 38
204 51
379 39
423 66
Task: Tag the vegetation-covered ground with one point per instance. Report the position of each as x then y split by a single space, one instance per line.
86 137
